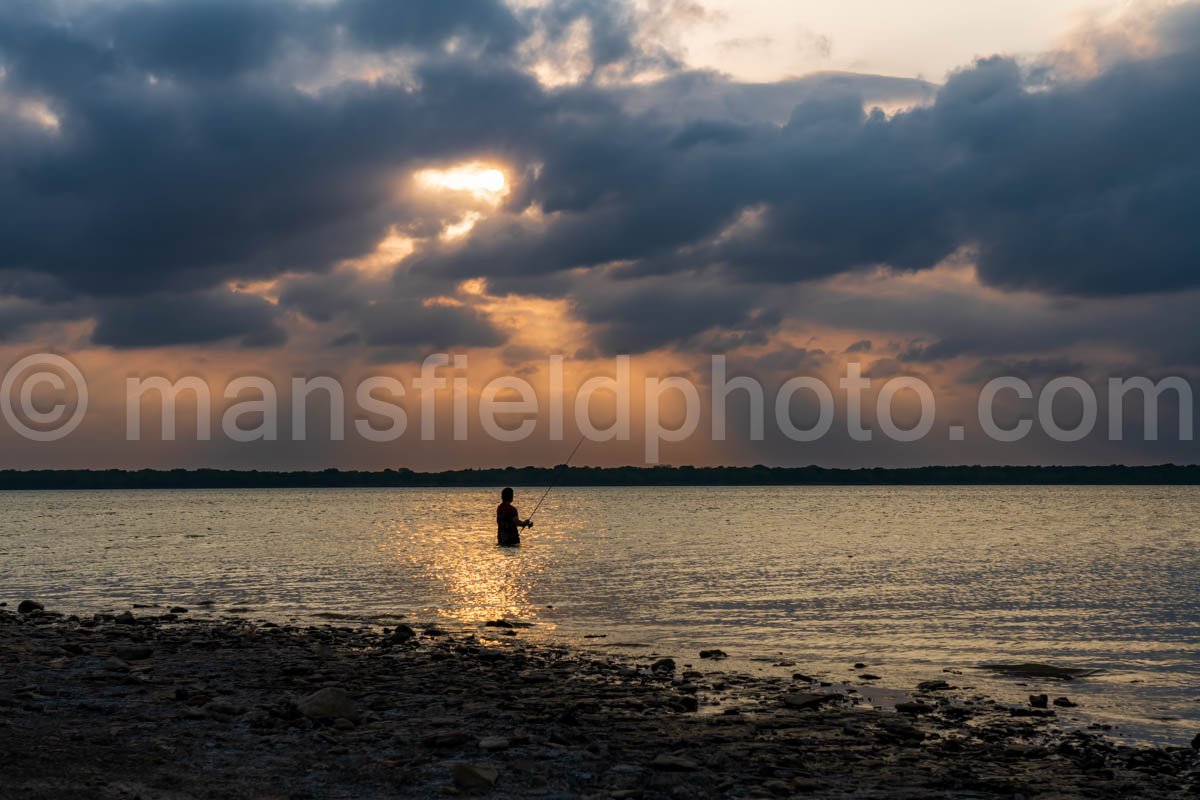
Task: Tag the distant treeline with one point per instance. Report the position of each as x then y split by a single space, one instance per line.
1165 474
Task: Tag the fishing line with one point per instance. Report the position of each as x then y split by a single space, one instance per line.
555 477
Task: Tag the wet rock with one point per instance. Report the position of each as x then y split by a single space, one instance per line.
900 729
914 708
1196 742
1030 712
497 623
114 664
1039 700
443 740
133 652
713 654
125 618
401 634
663 665
1064 702
672 763
178 610
474 777
859 665
805 700
867 676
494 743
29 606
932 686
800 676
1031 670
329 703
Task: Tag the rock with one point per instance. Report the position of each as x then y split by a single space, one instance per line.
866 676
663 665
1039 700
497 623
402 634
1196 742
29 606
445 739
329 703
114 664
665 761
914 708
133 652
1030 712
713 654
932 686
178 610
1064 702
433 632
1029 670
474 776
859 665
125 618
804 700
493 743
800 676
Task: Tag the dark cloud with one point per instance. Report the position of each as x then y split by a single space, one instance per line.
1025 369
861 346
384 24
182 156
408 314
197 317
633 316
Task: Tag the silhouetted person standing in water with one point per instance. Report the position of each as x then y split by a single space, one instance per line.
508 521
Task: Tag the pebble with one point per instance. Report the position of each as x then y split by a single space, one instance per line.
474 776
114 664
665 761
492 743
29 606
412 721
133 652
331 702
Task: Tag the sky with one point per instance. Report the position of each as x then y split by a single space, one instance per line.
341 188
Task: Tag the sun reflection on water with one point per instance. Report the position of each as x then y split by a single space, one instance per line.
480 581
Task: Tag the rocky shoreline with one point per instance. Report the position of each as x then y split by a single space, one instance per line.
162 706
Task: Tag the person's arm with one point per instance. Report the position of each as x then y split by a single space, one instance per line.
522 523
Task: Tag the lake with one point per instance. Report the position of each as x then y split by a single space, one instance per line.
909 581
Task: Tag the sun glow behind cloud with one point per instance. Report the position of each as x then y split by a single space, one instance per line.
477 180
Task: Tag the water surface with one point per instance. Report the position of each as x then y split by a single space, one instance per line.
911 581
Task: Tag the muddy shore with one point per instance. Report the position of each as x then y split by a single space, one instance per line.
161 706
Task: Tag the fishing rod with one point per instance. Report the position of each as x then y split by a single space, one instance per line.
554 480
